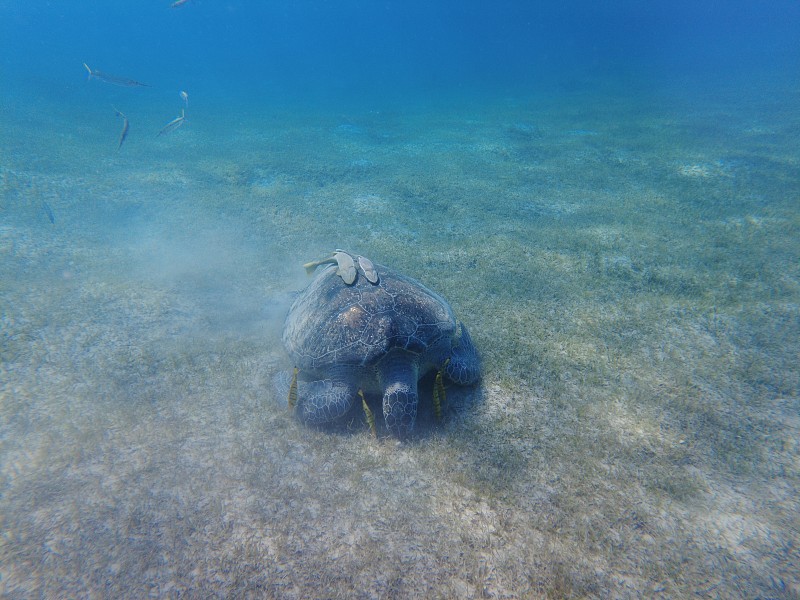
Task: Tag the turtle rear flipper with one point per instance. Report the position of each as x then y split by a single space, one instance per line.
464 366
325 400
398 375
400 401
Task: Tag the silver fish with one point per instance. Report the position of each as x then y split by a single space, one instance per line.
174 124
185 98
113 79
125 126
48 211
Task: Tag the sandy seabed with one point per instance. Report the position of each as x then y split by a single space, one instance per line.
628 268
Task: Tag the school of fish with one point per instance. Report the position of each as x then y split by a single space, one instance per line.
133 83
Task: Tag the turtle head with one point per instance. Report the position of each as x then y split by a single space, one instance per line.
464 365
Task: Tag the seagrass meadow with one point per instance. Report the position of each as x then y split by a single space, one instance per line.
628 265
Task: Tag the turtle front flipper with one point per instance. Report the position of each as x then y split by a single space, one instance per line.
398 376
325 400
464 366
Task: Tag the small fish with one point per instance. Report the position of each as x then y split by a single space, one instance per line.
48 211
346 266
439 396
174 124
369 269
310 267
185 98
113 79
437 405
293 390
178 3
369 415
125 126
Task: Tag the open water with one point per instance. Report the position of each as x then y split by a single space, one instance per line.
608 195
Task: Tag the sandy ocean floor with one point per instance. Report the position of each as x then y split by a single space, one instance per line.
628 266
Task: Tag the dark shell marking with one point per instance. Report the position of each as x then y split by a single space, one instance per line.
379 337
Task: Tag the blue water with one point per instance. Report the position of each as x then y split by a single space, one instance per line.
349 51
605 192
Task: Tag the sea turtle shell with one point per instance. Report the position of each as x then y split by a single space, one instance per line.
333 324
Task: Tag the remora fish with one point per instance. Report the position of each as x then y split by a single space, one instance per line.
174 124
113 79
125 126
185 98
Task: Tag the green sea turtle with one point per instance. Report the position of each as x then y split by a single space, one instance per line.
361 327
